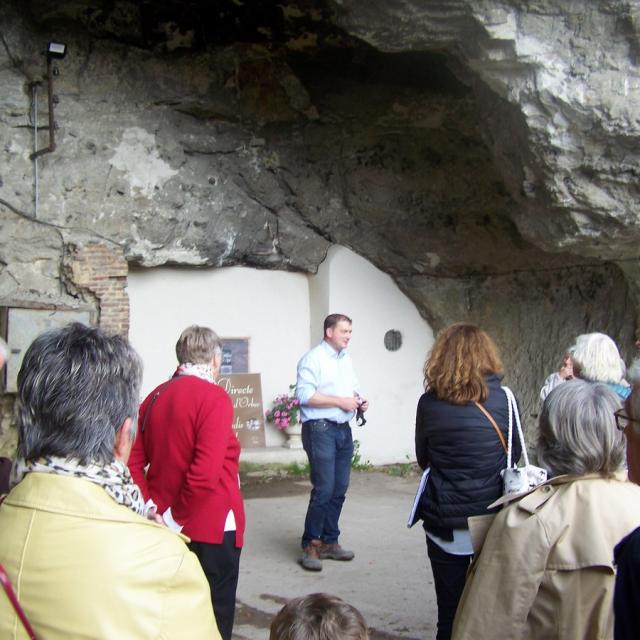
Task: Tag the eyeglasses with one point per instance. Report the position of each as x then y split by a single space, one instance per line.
623 421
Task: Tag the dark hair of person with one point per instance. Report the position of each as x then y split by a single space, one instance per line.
332 320
318 616
462 356
76 387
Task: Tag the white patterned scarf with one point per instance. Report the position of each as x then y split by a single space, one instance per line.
114 477
200 370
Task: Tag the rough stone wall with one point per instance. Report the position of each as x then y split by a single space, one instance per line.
95 275
8 432
568 75
480 152
544 309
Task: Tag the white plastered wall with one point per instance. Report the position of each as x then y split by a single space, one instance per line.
271 308
282 314
391 381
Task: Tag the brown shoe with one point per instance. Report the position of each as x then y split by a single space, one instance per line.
310 559
335 552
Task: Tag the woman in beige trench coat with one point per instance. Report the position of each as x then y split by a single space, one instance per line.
545 567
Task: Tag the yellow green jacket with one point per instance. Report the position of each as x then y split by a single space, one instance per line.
86 567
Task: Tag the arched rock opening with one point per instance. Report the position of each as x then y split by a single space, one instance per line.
458 151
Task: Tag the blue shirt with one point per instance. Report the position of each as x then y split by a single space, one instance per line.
329 372
459 546
624 391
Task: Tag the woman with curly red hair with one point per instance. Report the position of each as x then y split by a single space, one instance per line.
455 437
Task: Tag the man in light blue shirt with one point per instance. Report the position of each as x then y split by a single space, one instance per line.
327 389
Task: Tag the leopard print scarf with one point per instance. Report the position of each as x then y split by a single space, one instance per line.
114 477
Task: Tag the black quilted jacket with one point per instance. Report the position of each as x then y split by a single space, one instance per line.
465 456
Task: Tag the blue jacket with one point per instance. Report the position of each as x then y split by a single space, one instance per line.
465 455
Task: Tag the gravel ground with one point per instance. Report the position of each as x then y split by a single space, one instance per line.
389 580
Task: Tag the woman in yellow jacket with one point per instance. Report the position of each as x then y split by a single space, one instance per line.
84 559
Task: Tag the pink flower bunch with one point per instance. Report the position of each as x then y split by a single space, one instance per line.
286 409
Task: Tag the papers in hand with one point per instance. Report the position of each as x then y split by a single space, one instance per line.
414 516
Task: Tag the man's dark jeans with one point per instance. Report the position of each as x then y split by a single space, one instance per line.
329 447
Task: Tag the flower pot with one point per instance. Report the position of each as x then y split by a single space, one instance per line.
294 436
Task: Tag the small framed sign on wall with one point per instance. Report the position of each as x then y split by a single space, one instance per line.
245 390
235 356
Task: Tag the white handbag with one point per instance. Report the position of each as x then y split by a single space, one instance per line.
519 479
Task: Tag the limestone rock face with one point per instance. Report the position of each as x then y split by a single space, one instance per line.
566 137
483 152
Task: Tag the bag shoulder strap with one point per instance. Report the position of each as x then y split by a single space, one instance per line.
6 583
493 423
513 413
147 411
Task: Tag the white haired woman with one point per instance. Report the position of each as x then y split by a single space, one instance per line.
544 569
596 358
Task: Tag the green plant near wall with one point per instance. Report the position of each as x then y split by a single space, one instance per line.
357 463
402 469
297 468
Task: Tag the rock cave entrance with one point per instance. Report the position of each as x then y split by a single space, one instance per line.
223 133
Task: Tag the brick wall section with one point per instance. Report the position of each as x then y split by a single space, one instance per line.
102 271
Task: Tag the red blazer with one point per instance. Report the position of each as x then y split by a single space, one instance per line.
193 457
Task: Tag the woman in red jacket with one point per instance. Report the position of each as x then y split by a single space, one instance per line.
186 438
